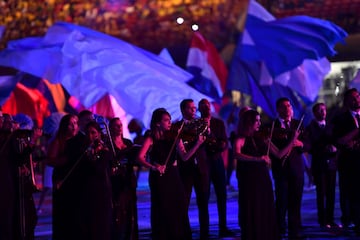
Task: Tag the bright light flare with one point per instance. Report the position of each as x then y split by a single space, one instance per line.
195 27
180 20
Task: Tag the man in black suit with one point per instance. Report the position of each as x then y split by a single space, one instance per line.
195 171
216 145
288 172
18 216
320 142
346 132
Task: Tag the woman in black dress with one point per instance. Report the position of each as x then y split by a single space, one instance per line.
96 191
256 199
123 182
62 199
169 215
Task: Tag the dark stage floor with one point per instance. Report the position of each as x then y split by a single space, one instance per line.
311 228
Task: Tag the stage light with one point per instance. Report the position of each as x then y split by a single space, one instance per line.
180 20
195 27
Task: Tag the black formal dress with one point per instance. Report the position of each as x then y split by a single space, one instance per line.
83 203
169 212
323 168
124 183
67 196
97 196
288 174
256 198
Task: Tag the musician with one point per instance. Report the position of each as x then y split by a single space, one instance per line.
169 211
124 183
288 172
318 134
256 199
7 186
56 158
70 177
346 132
137 127
96 194
231 160
16 153
195 171
216 146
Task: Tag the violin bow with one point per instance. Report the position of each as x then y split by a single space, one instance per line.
297 129
173 145
271 134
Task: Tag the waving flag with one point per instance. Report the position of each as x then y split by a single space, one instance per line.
7 85
248 75
209 70
290 62
32 103
2 30
33 96
90 64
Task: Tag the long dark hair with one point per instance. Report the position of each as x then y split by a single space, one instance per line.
247 120
63 126
156 118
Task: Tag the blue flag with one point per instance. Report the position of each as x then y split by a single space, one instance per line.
91 64
289 62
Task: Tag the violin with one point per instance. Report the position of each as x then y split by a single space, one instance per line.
277 134
94 150
191 130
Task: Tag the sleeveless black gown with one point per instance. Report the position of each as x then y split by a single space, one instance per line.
256 199
169 215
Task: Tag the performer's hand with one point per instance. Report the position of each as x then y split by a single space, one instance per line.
161 169
36 134
267 159
297 133
201 139
298 143
24 170
331 148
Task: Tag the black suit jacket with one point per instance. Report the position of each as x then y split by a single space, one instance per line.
216 141
318 140
281 138
343 125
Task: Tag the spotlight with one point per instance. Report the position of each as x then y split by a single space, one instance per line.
195 27
180 20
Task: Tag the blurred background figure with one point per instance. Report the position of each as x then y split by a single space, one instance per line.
50 129
231 160
8 123
318 135
136 127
